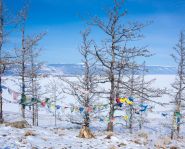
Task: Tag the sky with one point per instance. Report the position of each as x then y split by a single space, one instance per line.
64 20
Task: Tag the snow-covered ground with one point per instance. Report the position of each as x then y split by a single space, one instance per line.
64 135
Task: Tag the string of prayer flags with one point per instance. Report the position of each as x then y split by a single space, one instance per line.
143 108
119 104
89 109
118 100
52 106
15 95
131 99
107 119
23 99
129 102
43 103
101 119
177 114
178 120
33 99
81 109
47 99
124 100
72 109
164 114
125 117
178 117
112 120
58 107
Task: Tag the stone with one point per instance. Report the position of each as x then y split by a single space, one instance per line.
18 124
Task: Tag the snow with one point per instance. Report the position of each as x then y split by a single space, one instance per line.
155 133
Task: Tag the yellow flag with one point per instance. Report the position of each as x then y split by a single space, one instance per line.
123 100
129 102
125 117
53 107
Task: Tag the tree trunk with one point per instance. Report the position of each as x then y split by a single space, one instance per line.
131 119
1 103
37 115
178 126
1 67
23 73
86 119
111 117
112 98
23 111
86 133
173 126
141 121
23 106
33 114
1 106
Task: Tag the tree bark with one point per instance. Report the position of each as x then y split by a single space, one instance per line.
23 73
1 67
110 125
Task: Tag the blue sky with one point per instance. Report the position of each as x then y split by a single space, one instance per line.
61 19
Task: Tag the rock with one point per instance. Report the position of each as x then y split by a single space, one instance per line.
137 142
109 135
29 133
59 132
45 139
160 144
19 124
163 142
24 142
167 140
113 147
143 135
122 145
174 147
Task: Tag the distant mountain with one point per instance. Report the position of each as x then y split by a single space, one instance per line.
77 69
67 69
161 70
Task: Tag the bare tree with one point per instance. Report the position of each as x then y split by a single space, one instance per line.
34 74
54 91
116 53
179 84
5 57
84 88
22 60
140 89
133 84
27 67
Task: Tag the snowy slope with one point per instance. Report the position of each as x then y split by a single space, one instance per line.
65 134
